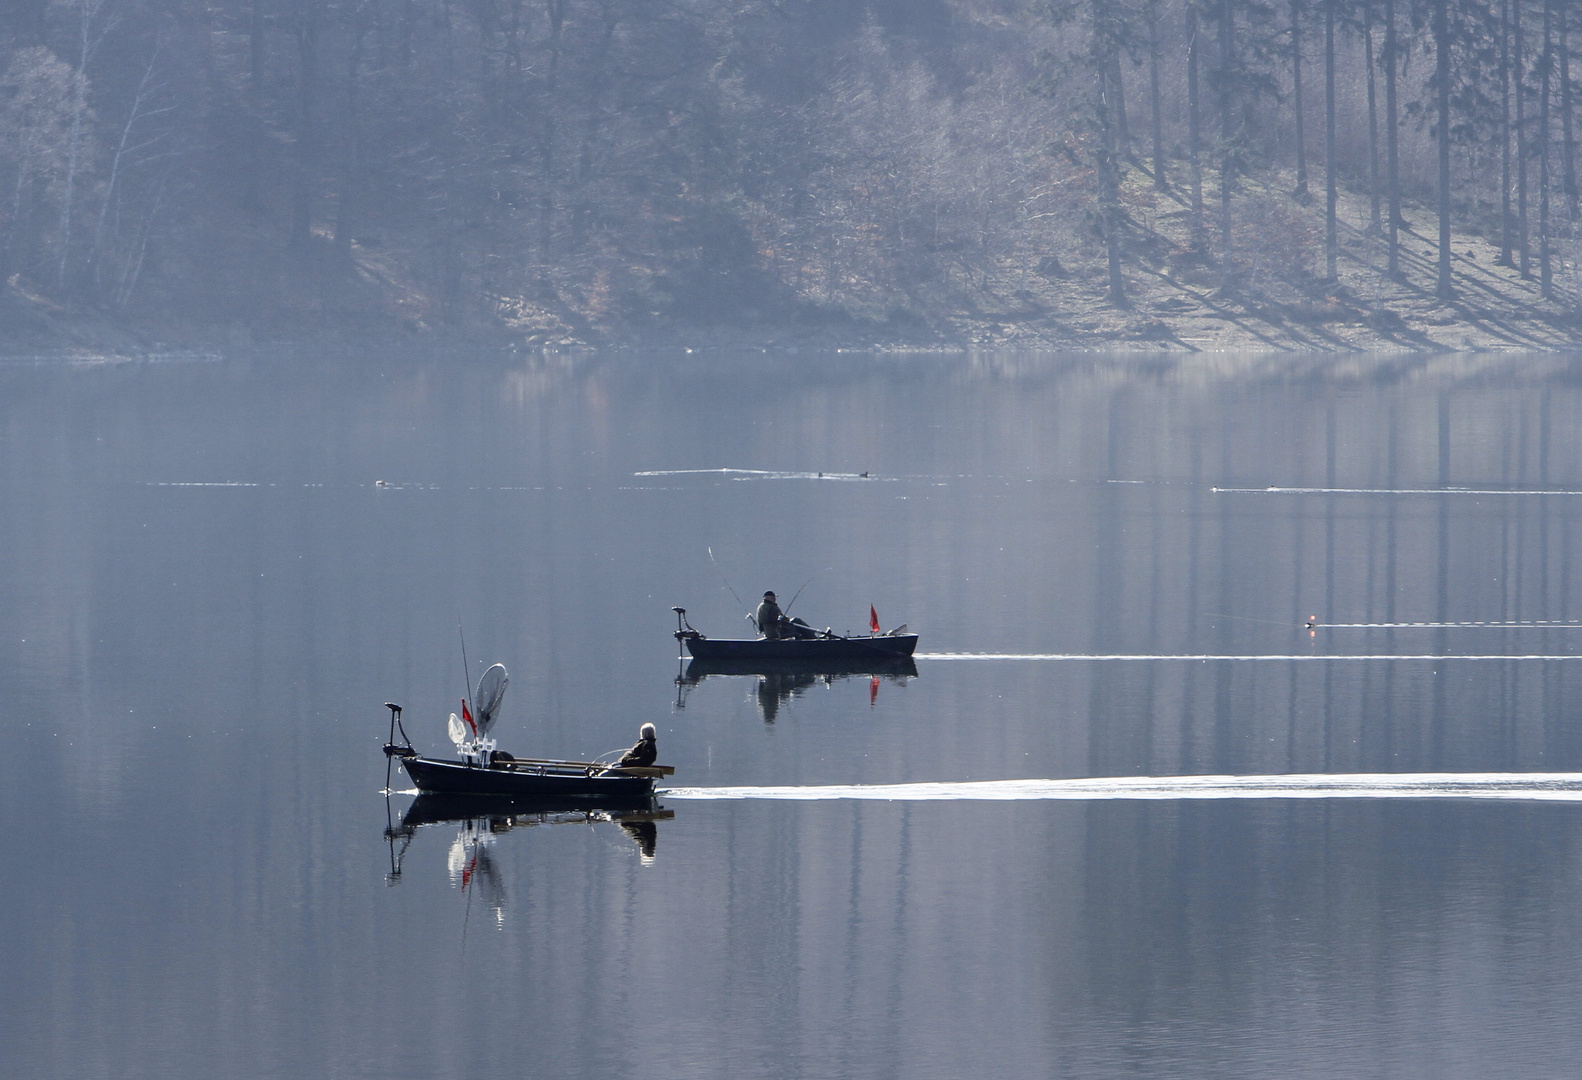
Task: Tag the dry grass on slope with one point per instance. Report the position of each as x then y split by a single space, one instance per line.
1271 295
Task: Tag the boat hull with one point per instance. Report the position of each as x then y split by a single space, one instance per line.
889 666
806 654
431 809
523 781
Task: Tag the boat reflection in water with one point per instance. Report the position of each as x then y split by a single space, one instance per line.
484 818
779 683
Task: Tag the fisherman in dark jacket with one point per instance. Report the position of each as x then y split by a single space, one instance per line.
769 618
645 752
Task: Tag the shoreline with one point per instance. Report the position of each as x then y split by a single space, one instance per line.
1180 302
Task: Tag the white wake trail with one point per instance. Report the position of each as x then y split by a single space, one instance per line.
1531 624
1561 787
1381 491
758 474
1246 657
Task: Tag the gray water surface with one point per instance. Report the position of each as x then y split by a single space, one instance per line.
213 572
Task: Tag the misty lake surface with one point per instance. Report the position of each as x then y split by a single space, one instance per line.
214 571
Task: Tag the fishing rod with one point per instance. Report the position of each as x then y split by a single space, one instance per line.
724 579
1539 624
466 673
805 584
1247 618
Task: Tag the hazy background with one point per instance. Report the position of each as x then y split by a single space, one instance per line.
595 170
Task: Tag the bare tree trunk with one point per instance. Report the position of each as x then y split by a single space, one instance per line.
134 268
124 148
1546 64
1194 123
1227 167
1375 225
88 39
582 209
1518 62
1568 143
1507 222
555 10
1123 131
1160 183
1443 287
74 144
1106 68
1331 192
1297 108
23 175
1391 132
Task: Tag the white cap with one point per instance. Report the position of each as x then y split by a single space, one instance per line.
647 732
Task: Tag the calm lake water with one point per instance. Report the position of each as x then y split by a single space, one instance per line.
213 571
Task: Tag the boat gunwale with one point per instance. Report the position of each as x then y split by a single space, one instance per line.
551 767
583 780
897 646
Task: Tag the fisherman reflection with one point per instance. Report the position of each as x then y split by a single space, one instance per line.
473 868
646 833
775 690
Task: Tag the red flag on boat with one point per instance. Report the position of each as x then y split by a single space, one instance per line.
873 619
467 716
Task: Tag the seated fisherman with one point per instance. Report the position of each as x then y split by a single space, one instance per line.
644 752
774 625
769 618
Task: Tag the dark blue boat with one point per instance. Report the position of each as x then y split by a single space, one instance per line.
483 770
521 778
872 663
813 650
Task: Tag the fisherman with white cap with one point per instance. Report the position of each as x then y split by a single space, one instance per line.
645 752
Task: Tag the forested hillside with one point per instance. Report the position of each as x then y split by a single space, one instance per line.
925 170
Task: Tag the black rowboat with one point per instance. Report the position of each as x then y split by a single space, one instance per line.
815 651
874 663
585 781
844 651
484 771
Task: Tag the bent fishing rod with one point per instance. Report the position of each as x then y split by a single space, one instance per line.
805 584
726 581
